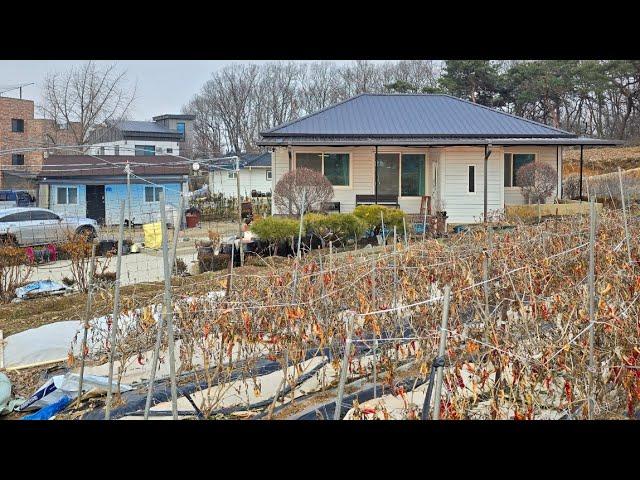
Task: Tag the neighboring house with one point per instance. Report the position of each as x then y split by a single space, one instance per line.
425 145
20 132
85 186
255 175
166 135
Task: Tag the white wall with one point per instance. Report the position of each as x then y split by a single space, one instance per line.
251 178
127 147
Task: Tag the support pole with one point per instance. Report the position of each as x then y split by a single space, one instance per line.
240 232
87 313
487 152
176 233
304 200
624 216
406 239
345 365
116 312
376 174
592 301
168 309
581 149
154 364
441 350
128 170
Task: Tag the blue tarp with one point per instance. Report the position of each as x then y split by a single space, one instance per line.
49 411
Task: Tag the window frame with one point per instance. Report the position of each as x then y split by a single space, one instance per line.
116 149
322 153
402 154
15 123
269 175
14 156
184 128
475 179
511 154
66 189
232 175
156 193
144 148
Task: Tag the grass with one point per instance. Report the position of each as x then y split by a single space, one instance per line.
597 161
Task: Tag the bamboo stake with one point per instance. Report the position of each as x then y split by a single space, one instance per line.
406 239
116 312
87 313
345 365
168 310
624 216
441 350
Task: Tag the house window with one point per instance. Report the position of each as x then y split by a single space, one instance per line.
101 151
17 159
180 128
17 125
512 162
268 174
145 150
472 179
67 195
116 150
169 150
412 177
159 150
152 194
232 175
334 166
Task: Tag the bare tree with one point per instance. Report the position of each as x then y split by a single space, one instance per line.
537 181
300 190
86 97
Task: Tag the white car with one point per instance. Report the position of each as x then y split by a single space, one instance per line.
38 226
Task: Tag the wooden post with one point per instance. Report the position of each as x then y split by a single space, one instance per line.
592 299
87 313
441 351
384 240
304 199
406 239
154 364
168 309
116 312
624 216
240 232
230 271
345 365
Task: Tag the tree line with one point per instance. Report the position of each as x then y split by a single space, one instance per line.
588 97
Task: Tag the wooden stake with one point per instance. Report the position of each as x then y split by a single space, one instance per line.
116 313
592 300
345 365
87 313
441 351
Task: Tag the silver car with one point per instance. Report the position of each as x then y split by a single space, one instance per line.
37 226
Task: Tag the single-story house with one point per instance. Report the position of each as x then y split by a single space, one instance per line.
400 148
87 186
255 175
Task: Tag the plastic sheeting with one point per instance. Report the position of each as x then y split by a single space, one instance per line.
40 287
152 235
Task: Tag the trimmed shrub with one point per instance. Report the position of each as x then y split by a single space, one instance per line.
276 229
334 227
370 214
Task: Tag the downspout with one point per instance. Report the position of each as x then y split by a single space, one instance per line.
273 174
581 148
375 187
290 165
558 173
487 153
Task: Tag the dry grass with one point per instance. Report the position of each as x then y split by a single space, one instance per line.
601 160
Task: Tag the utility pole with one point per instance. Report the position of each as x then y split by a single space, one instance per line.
127 169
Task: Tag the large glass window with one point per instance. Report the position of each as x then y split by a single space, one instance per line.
413 169
180 128
388 173
67 195
145 150
336 168
309 160
512 162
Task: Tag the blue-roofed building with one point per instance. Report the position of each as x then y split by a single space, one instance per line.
255 175
402 149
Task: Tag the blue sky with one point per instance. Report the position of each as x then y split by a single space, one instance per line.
163 86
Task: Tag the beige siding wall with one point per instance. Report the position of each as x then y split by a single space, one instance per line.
460 205
512 195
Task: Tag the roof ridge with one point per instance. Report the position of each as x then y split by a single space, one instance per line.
495 110
309 115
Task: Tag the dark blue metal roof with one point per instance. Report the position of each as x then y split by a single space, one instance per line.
407 115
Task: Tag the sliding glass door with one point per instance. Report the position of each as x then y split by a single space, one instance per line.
388 173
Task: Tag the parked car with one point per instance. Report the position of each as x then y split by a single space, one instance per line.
15 198
38 226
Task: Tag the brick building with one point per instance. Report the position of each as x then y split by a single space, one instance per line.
19 131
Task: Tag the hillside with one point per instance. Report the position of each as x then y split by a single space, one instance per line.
601 160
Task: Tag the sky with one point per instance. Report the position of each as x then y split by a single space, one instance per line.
163 86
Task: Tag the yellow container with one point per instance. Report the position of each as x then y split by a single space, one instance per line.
152 235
